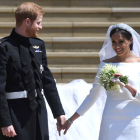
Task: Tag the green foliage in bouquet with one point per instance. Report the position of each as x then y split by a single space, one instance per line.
106 74
124 79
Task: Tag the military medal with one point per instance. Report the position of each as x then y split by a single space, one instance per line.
38 51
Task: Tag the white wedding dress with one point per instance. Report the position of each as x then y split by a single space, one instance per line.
84 128
121 116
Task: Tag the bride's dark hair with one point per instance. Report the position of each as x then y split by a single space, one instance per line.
124 33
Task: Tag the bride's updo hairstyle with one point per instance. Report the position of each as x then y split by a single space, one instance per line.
124 33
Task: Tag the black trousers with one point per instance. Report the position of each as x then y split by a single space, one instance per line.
28 124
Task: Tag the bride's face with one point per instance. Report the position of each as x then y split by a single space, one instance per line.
120 44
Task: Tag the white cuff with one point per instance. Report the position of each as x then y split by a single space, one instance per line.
137 96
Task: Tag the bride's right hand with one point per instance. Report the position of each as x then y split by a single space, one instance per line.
68 123
65 127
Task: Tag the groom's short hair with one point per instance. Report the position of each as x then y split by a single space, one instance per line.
27 10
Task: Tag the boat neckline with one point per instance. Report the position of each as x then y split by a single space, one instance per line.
122 63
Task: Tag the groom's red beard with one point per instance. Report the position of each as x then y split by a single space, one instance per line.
31 32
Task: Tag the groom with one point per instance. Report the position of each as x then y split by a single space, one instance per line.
24 77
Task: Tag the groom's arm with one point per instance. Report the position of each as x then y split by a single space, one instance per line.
50 90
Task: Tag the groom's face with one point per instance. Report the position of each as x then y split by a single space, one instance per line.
120 44
33 28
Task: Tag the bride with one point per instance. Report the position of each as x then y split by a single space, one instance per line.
121 116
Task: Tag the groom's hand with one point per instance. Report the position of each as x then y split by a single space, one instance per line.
8 131
60 121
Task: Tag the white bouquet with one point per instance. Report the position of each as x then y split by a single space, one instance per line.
106 78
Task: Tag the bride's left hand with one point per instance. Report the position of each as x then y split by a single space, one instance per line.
117 80
117 75
128 86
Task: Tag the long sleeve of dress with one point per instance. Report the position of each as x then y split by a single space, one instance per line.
5 118
93 95
50 90
137 96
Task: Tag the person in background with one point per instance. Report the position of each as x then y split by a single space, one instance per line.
25 78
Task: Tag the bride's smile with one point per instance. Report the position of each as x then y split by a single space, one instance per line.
120 44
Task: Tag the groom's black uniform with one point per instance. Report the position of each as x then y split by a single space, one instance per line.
23 67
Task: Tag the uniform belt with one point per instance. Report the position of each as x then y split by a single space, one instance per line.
18 94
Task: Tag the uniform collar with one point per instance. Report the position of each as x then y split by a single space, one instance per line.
19 38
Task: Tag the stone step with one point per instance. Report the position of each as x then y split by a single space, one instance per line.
72 24
11 9
76 3
70 29
73 59
73 44
72 39
72 54
64 75
76 14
